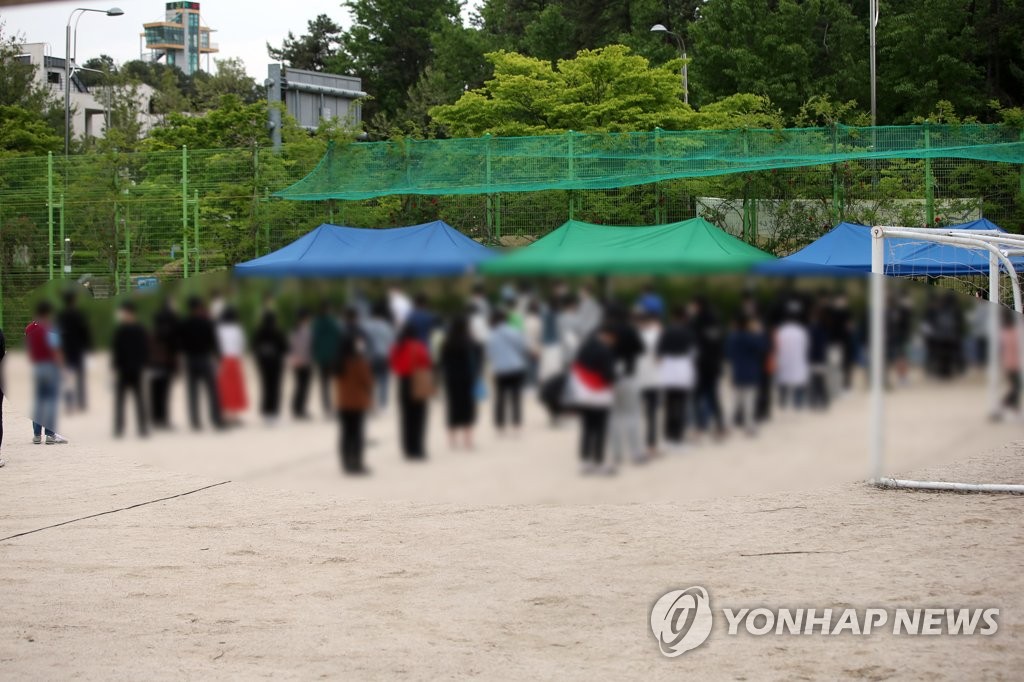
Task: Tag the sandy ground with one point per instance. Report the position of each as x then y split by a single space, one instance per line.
503 562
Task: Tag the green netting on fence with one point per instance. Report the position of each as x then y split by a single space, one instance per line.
490 165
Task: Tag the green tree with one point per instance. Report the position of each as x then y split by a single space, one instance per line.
389 46
609 89
315 50
789 50
230 78
30 120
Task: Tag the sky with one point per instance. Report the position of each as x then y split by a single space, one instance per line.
243 26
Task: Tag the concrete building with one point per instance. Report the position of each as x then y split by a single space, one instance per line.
89 106
180 39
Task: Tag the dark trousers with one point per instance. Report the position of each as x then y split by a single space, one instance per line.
129 382
353 439
199 372
798 393
1012 398
677 408
709 404
817 393
323 373
76 396
652 398
301 392
593 433
508 398
271 372
412 415
159 398
763 407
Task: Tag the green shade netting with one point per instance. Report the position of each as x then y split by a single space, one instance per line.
486 165
578 248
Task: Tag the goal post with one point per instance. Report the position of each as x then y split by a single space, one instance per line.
1000 247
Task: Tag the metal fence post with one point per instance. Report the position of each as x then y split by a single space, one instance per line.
837 214
488 198
929 182
49 205
184 207
572 174
195 230
63 249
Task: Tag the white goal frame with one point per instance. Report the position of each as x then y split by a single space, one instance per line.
1000 246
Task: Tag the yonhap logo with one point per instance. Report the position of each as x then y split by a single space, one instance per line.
681 620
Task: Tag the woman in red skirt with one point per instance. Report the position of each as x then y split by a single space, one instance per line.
231 378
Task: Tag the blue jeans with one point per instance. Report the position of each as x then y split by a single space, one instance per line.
47 395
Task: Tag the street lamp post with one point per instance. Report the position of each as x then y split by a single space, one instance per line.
660 28
112 12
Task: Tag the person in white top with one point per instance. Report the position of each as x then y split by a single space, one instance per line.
648 379
792 359
231 378
401 306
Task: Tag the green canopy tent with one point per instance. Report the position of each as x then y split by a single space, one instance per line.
692 246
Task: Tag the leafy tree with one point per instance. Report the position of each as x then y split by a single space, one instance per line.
230 78
789 50
389 46
232 123
30 119
607 89
315 50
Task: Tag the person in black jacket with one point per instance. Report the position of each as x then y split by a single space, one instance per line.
129 354
593 381
75 341
461 365
163 363
710 337
198 340
270 346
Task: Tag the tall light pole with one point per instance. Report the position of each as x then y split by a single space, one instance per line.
660 28
872 24
68 56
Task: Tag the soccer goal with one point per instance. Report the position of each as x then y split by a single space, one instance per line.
967 254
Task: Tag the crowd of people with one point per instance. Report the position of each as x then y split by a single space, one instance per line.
643 377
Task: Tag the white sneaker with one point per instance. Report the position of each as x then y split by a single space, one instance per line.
587 468
56 439
2 462
36 440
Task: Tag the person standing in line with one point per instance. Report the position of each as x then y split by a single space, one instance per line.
626 419
43 344
461 364
422 320
400 306
231 376
508 356
710 337
325 340
129 353
300 346
411 363
270 347
792 353
76 343
354 398
746 348
163 364
3 352
817 390
1009 360
592 383
533 332
648 379
678 375
198 339
380 336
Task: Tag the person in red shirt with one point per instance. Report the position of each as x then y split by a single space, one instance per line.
42 342
410 361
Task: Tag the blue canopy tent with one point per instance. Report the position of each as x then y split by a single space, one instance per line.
337 251
845 250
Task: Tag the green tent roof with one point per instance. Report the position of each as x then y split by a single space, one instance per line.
578 248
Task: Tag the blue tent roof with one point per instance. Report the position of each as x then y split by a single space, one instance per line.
336 251
845 250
